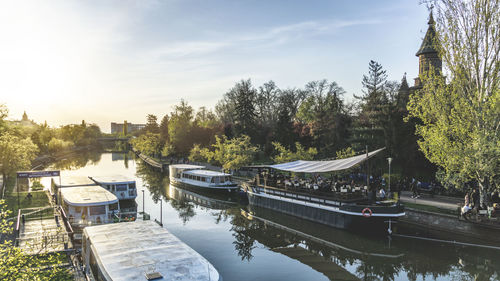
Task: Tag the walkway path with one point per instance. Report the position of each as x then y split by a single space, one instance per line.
448 203
42 236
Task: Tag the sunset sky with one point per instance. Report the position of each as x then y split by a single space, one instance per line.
104 61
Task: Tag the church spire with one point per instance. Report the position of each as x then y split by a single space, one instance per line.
428 54
25 116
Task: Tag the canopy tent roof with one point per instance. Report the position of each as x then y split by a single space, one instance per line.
302 166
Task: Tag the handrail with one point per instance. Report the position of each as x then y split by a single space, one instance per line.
18 221
65 219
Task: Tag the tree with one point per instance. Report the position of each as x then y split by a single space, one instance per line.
148 144
245 112
164 129
15 154
460 119
180 128
345 153
324 110
232 153
286 155
152 124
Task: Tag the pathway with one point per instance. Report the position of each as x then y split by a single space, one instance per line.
443 202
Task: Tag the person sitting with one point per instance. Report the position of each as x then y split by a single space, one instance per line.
381 194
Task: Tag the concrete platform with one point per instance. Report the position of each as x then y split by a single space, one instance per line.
42 236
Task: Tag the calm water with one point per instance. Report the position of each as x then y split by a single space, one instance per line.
246 243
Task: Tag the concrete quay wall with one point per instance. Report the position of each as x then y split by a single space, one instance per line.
450 226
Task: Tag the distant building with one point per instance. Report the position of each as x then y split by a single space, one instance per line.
118 127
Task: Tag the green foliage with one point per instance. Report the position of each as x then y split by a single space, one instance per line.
179 129
460 120
36 185
56 145
16 153
286 155
148 144
16 265
345 153
198 154
231 153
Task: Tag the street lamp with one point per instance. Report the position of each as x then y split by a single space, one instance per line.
389 160
142 202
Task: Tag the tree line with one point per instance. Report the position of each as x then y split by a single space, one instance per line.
278 125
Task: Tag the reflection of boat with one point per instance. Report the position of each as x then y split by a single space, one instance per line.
346 243
205 199
197 176
324 249
141 250
123 187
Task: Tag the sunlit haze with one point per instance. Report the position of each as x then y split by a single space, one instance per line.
109 61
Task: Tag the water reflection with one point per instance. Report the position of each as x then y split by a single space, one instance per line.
78 160
152 179
251 243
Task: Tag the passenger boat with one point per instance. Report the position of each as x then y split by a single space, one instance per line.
88 205
196 176
141 250
124 188
348 212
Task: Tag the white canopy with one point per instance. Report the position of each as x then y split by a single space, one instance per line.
302 166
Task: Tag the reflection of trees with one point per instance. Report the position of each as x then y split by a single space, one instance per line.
154 180
184 208
78 160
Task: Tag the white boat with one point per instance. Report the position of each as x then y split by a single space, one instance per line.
141 250
185 175
124 188
89 204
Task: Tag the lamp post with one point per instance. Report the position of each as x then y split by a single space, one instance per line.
142 202
389 160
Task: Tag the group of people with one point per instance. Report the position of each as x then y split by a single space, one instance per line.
473 202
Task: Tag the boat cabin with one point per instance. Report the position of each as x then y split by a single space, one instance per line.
141 250
87 205
206 176
124 188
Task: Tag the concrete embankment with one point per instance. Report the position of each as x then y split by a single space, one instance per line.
451 227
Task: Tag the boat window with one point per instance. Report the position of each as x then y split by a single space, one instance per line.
113 207
131 185
203 179
121 187
213 180
198 178
226 178
217 179
108 187
78 209
97 210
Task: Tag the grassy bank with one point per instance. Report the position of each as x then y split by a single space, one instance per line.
38 199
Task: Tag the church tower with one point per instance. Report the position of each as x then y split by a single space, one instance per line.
428 54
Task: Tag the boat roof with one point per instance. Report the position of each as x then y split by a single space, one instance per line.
302 166
92 195
206 173
141 247
112 179
187 166
71 181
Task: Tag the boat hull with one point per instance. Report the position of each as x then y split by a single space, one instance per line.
348 217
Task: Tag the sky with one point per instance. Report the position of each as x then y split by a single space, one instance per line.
64 61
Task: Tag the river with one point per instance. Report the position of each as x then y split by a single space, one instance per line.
245 243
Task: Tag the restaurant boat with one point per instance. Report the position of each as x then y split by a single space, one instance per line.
337 210
185 175
141 250
124 188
